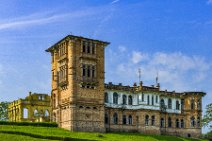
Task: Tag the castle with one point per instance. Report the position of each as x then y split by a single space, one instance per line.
34 108
81 101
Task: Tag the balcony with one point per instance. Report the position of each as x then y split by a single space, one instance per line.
88 81
84 55
64 56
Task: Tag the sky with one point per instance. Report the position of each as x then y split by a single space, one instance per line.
171 38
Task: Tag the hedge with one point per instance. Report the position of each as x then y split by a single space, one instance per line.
45 137
40 124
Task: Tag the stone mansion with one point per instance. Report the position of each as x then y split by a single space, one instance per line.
81 101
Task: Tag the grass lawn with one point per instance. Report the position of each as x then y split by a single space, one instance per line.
58 132
9 137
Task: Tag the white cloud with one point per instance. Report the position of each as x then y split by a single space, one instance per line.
115 1
122 48
177 71
138 57
41 18
209 2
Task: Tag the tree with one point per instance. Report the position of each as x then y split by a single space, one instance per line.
4 111
207 119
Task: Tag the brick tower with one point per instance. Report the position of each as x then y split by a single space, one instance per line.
78 83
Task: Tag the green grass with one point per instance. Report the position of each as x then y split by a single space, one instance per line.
45 132
9 137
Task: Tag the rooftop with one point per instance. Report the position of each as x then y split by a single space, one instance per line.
76 37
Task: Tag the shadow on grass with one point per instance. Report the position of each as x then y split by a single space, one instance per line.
157 137
45 137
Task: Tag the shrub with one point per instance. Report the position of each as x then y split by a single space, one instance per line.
40 124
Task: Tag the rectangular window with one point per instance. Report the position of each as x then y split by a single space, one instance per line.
93 72
83 46
93 48
83 70
88 71
88 48
156 99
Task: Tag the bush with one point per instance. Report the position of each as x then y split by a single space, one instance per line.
40 124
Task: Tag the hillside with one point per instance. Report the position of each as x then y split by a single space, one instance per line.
29 133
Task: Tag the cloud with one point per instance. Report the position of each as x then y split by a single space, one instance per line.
42 18
122 48
177 71
209 2
115 1
138 57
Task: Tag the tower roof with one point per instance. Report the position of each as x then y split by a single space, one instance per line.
76 37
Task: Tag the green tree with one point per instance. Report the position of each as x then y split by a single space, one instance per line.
4 111
207 119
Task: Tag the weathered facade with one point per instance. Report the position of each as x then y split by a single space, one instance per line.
34 108
150 110
78 83
82 102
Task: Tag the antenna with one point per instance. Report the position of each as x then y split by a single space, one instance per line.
139 74
157 78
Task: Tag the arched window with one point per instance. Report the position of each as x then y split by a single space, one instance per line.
198 121
142 96
169 103
115 118
148 100
162 103
46 114
192 122
106 119
177 105
156 100
115 98
106 97
177 123
124 120
25 113
182 123
152 100
153 120
130 120
169 122
192 104
147 120
130 100
35 112
162 122
124 98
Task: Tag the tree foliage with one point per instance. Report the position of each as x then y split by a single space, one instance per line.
4 111
207 119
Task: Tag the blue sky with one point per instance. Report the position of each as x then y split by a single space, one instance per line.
171 37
